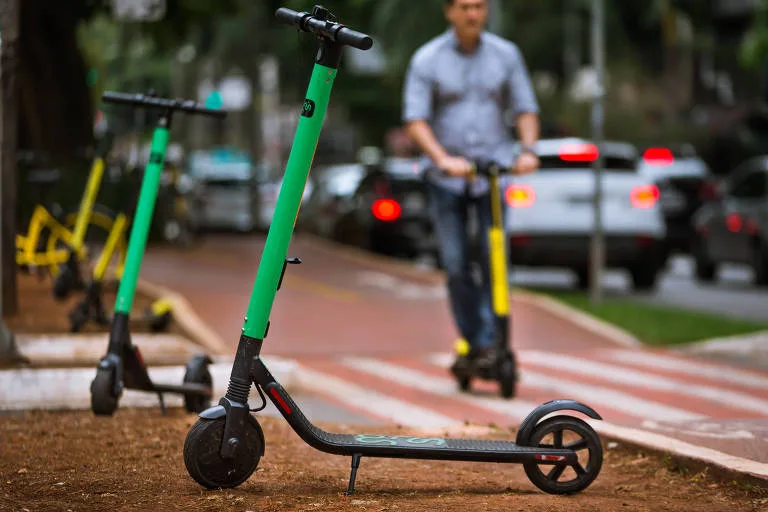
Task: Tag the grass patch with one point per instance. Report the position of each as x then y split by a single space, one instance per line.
657 325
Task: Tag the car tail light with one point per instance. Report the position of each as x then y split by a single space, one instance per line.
644 196
658 156
386 210
733 222
579 152
520 196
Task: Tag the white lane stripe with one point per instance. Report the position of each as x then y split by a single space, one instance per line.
596 396
644 380
698 369
442 386
395 410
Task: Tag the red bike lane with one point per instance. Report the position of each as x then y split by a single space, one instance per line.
374 336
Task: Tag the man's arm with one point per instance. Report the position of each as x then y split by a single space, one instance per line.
528 128
417 109
420 131
523 99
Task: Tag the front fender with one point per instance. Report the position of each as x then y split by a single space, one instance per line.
218 411
530 421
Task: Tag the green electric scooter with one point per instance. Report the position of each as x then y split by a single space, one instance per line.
223 448
123 366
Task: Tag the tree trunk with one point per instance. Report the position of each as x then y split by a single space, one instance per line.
56 113
9 60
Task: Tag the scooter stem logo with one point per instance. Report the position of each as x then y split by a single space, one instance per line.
309 108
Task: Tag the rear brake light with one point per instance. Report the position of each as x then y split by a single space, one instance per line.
386 210
644 196
578 152
733 222
520 196
658 156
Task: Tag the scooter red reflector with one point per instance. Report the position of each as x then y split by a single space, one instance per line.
280 401
520 196
386 210
551 458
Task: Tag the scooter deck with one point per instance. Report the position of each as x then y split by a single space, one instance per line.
407 447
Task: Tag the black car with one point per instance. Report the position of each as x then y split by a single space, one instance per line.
388 211
685 183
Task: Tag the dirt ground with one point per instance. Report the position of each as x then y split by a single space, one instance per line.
39 312
133 461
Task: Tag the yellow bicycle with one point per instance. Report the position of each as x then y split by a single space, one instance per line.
58 242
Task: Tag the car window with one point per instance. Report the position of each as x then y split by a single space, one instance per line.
751 185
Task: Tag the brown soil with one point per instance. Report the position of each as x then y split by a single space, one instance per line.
133 461
40 313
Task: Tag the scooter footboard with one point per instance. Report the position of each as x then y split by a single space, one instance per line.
406 447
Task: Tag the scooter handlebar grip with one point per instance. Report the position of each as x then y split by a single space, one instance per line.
288 16
354 38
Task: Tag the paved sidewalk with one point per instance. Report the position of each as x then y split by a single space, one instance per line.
372 337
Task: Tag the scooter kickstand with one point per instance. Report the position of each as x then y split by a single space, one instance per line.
162 403
353 474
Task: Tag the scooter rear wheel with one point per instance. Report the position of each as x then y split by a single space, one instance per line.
508 378
197 372
204 462
551 481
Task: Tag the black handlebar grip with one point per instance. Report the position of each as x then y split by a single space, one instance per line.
335 31
354 38
195 108
288 16
119 97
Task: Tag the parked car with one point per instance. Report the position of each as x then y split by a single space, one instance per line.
268 191
230 188
550 215
733 227
685 183
332 197
381 207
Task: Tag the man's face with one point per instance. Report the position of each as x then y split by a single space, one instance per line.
467 16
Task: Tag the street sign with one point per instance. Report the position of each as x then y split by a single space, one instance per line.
138 10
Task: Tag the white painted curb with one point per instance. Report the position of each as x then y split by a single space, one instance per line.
69 388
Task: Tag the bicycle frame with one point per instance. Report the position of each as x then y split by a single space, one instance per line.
26 245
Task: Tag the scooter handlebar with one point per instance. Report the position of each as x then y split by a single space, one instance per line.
333 31
142 100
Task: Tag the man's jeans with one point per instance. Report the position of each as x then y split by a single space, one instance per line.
470 301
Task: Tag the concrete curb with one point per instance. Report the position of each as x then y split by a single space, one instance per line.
183 314
69 388
681 449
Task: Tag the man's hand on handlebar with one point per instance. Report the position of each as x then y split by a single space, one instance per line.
526 163
456 166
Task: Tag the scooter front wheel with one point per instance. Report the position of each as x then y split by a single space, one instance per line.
561 478
203 459
103 402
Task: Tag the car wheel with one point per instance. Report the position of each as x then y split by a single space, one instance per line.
760 263
644 277
706 270
582 278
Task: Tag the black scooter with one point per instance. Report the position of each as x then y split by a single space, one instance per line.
224 446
